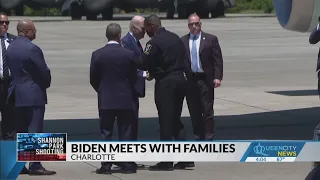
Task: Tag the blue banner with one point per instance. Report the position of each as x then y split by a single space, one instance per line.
10 168
273 149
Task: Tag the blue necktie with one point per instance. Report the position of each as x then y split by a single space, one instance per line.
4 61
140 46
194 55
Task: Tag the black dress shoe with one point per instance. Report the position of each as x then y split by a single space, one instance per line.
24 171
183 165
40 171
162 166
128 170
104 170
127 167
141 166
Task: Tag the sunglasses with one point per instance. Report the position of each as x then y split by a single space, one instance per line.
195 23
4 22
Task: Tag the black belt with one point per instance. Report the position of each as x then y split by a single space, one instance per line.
5 79
199 74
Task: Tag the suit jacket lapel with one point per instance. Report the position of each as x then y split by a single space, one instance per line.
134 43
186 44
202 42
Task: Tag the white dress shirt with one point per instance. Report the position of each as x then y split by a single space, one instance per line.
112 42
198 47
1 60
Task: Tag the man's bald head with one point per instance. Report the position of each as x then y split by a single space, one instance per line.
136 21
4 24
26 28
137 27
153 20
152 23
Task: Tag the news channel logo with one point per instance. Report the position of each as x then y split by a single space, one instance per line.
275 149
41 147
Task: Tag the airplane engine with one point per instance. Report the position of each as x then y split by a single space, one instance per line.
98 6
297 15
49 3
10 4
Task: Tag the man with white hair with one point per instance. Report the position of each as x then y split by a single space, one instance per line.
131 42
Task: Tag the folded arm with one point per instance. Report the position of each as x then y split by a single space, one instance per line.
38 59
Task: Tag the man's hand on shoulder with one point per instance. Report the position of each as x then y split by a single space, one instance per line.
217 83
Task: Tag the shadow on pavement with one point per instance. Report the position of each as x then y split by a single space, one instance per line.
310 92
296 124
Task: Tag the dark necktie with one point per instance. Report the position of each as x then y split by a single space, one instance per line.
138 42
4 56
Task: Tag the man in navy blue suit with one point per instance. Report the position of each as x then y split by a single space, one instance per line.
113 76
131 42
30 79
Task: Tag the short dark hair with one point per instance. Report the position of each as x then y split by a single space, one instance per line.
113 31
153 19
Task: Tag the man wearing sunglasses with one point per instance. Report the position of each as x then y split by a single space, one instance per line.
205 63
7 114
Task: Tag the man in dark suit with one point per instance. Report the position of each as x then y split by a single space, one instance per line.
131 42
113 74
314 39
7 110
206 72
30 79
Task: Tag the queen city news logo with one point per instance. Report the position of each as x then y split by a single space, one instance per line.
276 149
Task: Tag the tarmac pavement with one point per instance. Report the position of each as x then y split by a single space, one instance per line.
268 92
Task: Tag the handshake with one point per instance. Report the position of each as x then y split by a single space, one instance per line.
148 76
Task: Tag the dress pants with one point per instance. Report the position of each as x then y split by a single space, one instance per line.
135 123
200 103
319 87
169 96
125 118
30 120
7 112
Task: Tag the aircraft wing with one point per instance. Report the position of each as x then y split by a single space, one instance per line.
297 15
